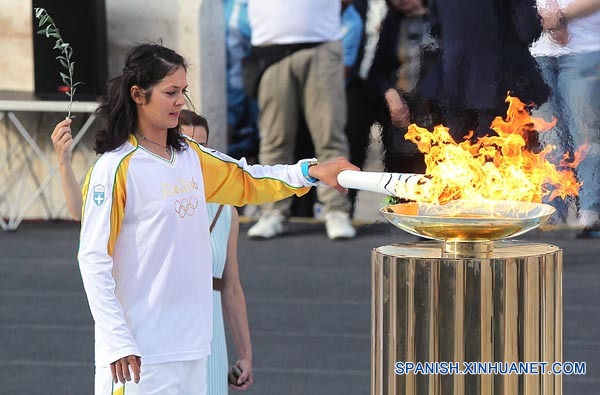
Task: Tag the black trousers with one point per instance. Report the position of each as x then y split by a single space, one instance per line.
365 108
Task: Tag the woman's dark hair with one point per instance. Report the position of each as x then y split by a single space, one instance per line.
190 118
145 66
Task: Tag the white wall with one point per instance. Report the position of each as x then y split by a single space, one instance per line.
193 28
16 46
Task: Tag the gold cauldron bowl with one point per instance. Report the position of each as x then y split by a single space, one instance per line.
467 226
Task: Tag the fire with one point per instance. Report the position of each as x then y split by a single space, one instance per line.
493 167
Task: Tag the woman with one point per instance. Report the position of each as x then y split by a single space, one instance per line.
223 235
144 252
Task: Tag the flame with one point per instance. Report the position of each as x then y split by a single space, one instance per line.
492 167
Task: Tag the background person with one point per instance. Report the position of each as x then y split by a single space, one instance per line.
352 32
228 295
568 53
242 110
484 53
395 71
298 71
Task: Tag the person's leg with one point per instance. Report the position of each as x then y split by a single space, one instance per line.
558 137
195 380
579 82
361 116
303 206
278 120
324 103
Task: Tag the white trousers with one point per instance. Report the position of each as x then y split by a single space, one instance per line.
172 378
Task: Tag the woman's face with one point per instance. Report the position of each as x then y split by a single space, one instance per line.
196 133
159 107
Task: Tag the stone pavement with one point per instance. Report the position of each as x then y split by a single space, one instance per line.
308 302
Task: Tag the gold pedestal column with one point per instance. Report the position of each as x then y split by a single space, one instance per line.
434 302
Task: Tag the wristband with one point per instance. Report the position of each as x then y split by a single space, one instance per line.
304 165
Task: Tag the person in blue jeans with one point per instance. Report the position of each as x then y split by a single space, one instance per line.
568 53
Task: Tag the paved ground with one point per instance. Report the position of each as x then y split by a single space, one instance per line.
308 301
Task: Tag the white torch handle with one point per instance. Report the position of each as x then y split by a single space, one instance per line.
376 182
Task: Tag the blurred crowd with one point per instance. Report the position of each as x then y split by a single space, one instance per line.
312 77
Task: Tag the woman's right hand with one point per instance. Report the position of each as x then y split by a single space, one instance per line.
62 139
120 369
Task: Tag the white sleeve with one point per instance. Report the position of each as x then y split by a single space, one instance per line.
112 335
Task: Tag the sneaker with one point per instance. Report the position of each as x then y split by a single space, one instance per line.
339 226
270 224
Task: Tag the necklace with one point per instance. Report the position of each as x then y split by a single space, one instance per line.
165 147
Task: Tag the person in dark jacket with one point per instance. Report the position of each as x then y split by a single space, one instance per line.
382 88
483 55
400 59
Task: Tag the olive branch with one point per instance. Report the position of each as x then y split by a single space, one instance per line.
51 30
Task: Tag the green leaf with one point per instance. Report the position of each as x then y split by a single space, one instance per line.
51 30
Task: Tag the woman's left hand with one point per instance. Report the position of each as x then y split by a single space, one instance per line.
328 171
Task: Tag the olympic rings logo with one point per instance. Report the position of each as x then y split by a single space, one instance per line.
185 207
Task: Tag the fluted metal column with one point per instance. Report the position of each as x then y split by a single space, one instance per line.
431 304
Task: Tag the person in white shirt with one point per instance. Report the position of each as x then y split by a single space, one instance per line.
228 295
145 254
297 55
568 53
